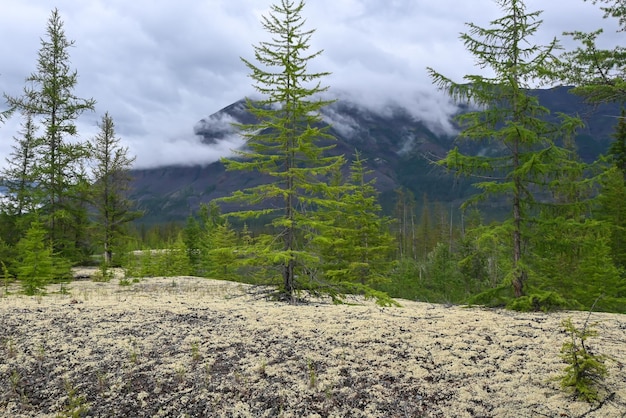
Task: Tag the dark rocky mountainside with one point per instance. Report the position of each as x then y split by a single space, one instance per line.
398 148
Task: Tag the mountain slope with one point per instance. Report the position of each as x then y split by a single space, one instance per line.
398 148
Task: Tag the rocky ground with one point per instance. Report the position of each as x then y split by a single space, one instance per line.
191 347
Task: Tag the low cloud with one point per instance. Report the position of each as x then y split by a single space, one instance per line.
186 151
158 67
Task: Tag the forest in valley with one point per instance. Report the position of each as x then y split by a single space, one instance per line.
318 228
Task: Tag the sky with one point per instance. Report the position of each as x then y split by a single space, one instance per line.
159 66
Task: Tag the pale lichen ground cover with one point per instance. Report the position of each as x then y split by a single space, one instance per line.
174 347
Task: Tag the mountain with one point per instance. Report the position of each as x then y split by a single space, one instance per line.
398 147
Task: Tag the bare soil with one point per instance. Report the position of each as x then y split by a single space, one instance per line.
192 347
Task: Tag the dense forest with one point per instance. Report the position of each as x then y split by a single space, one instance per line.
318 227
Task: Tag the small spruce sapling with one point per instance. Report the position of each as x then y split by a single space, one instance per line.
585 371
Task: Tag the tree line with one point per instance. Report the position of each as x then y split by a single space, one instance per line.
64 196
561 245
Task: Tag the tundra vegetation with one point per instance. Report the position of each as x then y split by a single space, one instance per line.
318 228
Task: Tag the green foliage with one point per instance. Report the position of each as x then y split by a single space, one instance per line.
128 260
457 266
437 279
57 162
573 259
148 263
617 149
288 144
599 75
36 263
404 281
496 297
355 243
192 237
482 259
104 273
219 252
170 261
18 174
530 161
285 142
442 272
76 405
111 184
8 255
585 371
539 301
174 261
612 210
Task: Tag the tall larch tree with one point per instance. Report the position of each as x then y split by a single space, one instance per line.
50 99
111 186
508 116
286 144
18 173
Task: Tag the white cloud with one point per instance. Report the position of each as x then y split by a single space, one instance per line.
159 66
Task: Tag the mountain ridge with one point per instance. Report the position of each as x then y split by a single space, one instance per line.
398 148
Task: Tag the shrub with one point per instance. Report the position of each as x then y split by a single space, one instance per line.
585 371
539 301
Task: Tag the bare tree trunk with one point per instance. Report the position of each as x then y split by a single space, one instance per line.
518 273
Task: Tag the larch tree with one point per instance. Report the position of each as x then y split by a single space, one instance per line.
18 173
219 259
597 74
288 145
612 197
505 114
617 149
192 233
59 155
37 264
358 246
111 185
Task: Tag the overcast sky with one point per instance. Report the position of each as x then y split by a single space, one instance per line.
159 66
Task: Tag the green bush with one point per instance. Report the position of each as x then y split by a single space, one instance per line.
539 301
35 266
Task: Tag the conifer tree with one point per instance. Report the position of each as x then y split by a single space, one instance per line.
192 237
597 74
219 254
173 261
110 187
286 144
357 246
509 117
35 263
617 150
18 173
50 100
612 197
612 209
573 259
